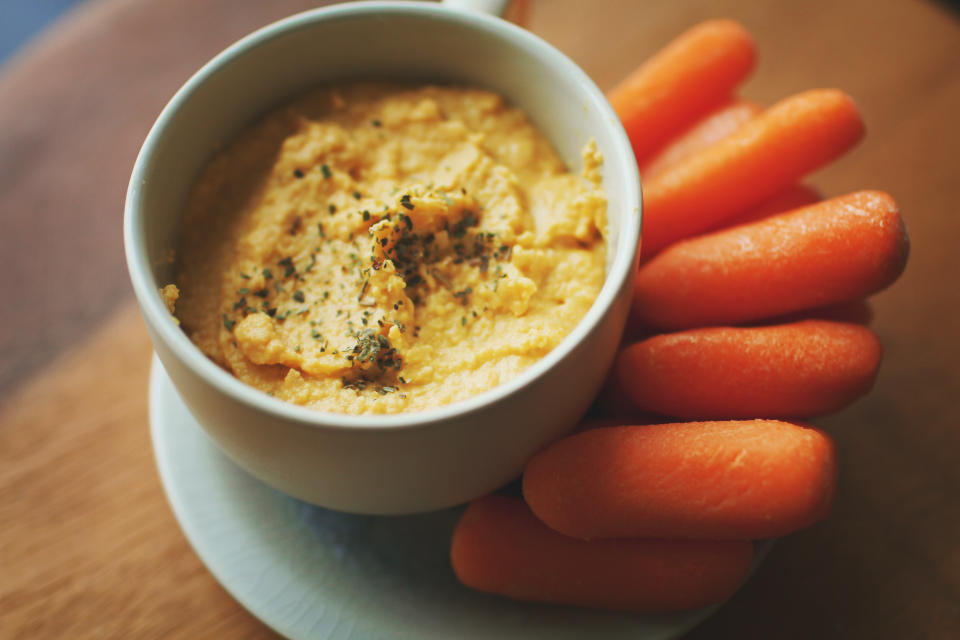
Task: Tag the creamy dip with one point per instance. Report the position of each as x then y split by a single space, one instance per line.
381 249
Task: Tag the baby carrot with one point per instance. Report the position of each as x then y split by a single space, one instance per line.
707 480
801 369
836 250
714 127
764 156
500 547
693 74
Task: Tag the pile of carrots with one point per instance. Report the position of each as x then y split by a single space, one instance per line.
748 316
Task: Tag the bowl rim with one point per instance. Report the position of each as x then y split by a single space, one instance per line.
176 340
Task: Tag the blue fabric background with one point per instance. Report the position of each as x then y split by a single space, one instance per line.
20 20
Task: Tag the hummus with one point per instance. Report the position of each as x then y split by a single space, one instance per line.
381 249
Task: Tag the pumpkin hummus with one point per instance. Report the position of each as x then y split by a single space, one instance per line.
381 249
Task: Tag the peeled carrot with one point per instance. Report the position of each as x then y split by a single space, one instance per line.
706 480
801 369
829 252
712 128
763 157
693 74
500 547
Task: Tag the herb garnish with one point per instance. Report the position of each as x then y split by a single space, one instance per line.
287 264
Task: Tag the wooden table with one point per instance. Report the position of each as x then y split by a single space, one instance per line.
88 545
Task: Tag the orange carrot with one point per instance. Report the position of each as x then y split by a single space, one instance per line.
763 157
829 252
802 369
500 547
714 127
693 74
706 480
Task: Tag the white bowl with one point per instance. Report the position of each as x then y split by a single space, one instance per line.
410 462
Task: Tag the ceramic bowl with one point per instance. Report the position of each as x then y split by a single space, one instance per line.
410 462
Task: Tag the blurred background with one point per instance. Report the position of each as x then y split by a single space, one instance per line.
22 19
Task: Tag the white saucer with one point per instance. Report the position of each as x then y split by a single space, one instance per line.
308 572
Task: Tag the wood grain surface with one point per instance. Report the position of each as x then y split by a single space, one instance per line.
88 546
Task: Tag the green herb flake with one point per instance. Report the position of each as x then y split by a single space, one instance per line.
299 296
228 323
287 264
326 171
